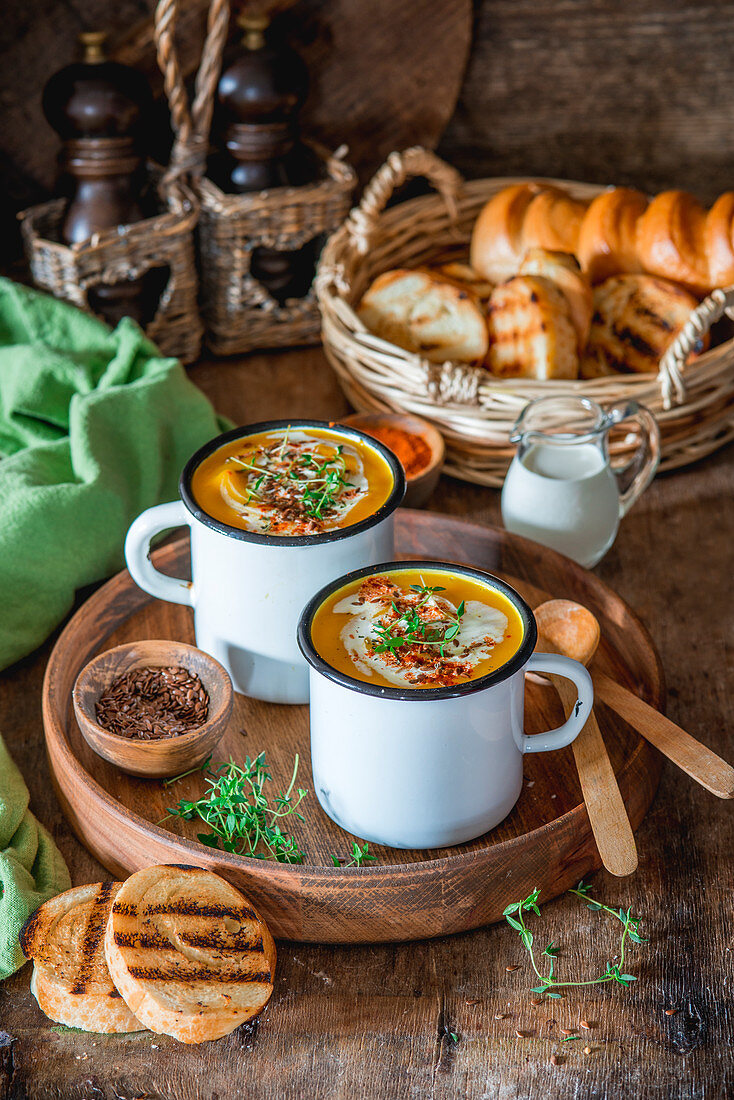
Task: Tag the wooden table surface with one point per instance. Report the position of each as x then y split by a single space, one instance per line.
377 1021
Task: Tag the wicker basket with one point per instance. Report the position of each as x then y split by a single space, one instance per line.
694 404
165 240
239 312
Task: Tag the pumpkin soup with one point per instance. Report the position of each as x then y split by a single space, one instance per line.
417 628
293 481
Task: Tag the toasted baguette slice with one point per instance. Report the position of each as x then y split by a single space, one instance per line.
531 332
562 269
71 982
636 318
189 954
422 313
465 277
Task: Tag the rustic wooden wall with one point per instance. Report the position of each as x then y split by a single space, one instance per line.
638 91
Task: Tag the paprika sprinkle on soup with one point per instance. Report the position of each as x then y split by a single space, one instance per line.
412 450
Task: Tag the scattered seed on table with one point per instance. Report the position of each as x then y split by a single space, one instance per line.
670 1011
587 1050
500 1015
472 1003
568 1030
520 1034
536 1001
555 1060
586 1025
509 969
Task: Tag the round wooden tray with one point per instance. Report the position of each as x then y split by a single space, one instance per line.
546 841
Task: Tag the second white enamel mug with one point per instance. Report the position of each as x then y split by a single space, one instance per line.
430 767
248 589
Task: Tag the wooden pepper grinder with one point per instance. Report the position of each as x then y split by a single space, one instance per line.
260 96
97 106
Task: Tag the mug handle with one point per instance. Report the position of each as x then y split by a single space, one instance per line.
649 450
137 552
557 665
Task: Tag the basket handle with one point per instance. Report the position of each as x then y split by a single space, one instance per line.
672 364
417 161
190 126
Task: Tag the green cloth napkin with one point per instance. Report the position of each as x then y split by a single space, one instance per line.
94 427
32 869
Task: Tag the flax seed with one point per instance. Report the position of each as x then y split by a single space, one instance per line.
520 1034
510 969
587 1050
500 1015
555 1060
568 1031
152 703
586 1025
536 1001
670 1011
472 1003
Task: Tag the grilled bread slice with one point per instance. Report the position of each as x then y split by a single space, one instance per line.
562 269
531 332
189 954
636 318
422 313
71 982
465 277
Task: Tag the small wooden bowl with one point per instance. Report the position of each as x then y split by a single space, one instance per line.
163 755
422 485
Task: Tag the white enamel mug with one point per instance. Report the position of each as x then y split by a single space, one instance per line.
428 767
248 589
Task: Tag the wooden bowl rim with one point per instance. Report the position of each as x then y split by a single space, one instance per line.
218 674
427 431
55 727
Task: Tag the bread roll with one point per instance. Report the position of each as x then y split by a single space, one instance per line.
520 217
608 237
636 318
670 240
563 270
71 981
719 241
189 954
422 313
531 331
496 242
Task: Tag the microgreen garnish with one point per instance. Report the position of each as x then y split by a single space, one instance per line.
198 768
357 857
630 931
288 476
239 815
409 626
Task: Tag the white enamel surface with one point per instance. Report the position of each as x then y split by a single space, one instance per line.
428 773
248 597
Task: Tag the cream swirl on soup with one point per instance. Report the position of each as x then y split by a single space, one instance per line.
414 636
293 482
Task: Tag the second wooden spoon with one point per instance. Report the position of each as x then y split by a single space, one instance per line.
561 631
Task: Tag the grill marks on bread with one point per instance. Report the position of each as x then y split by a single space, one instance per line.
636 318
531 331
71 980
190 956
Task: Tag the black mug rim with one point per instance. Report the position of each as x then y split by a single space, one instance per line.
414 695
393 501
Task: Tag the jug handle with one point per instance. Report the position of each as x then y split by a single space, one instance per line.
649 448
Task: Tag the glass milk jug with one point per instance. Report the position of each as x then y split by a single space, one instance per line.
560 489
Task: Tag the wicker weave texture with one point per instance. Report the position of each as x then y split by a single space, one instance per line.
693 404
239 312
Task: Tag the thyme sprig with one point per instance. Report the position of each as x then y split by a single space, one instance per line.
357 857
408 626
513 914
239 815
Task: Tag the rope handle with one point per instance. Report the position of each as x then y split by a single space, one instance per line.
190 126
417 161
672 364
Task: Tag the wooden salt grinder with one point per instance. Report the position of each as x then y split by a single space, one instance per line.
97 107
260 96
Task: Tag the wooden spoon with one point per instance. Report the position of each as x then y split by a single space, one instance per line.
563 630
575 628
